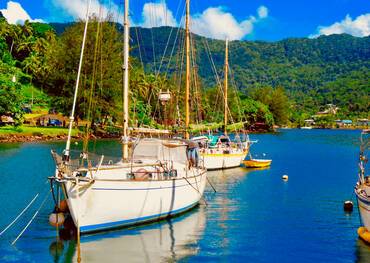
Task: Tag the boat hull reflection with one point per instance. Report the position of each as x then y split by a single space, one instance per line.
170 240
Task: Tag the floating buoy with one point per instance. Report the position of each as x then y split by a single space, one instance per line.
67 234
364 234
56 219
348 206
285 177
56 248
63 206
68 223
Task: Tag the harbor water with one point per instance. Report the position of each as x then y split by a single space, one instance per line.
255 216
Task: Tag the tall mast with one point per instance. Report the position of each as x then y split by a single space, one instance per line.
72 116
125 82
226 83
187 85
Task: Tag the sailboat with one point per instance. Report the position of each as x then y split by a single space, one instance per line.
220 152
153 180
362 188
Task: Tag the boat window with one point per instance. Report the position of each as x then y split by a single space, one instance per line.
156 149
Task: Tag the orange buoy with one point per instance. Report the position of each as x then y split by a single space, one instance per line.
56 219
364 234
63 206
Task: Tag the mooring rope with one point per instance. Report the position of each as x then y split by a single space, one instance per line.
201 196
21 213
33 217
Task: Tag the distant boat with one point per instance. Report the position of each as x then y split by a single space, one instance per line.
257 163
220 152
306 128
362 188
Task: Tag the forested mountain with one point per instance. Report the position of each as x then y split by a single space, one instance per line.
313 72
308 69
305 67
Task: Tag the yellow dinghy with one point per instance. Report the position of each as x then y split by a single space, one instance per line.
257 163
364 234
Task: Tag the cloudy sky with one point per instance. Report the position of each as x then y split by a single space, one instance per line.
236 19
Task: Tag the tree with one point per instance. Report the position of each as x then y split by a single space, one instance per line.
10 99
276 100
101 70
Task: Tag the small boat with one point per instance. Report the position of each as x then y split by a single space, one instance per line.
257 163
306 128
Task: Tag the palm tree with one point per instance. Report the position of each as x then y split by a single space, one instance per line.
31 65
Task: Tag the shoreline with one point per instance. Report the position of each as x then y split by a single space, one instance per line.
14 138
22 138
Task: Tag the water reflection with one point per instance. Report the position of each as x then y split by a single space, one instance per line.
362 252
166 241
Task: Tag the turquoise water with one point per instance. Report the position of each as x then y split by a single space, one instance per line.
254 216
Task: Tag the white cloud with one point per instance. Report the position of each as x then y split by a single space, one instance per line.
15 14
156 15
358 27
262 11
214 22
77 8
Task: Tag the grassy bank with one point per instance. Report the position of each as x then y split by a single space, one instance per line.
35 131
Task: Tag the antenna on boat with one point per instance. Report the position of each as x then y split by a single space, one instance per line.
226 84
125 82
71 118
187 82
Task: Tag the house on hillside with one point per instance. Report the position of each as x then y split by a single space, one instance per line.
309 122
330 109
49 120
343 123
6 120
363 123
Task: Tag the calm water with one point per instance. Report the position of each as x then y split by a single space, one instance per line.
254 216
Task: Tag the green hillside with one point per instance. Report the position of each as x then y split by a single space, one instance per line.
304 67
312 72
329 69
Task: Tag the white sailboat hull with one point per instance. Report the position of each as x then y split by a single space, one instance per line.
107 204
216 161
363 199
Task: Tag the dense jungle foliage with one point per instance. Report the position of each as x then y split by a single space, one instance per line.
272 83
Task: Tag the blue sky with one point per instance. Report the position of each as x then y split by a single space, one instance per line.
236 19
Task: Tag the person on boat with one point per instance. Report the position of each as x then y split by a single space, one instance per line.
193 154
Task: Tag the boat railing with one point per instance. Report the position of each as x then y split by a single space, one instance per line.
78 159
